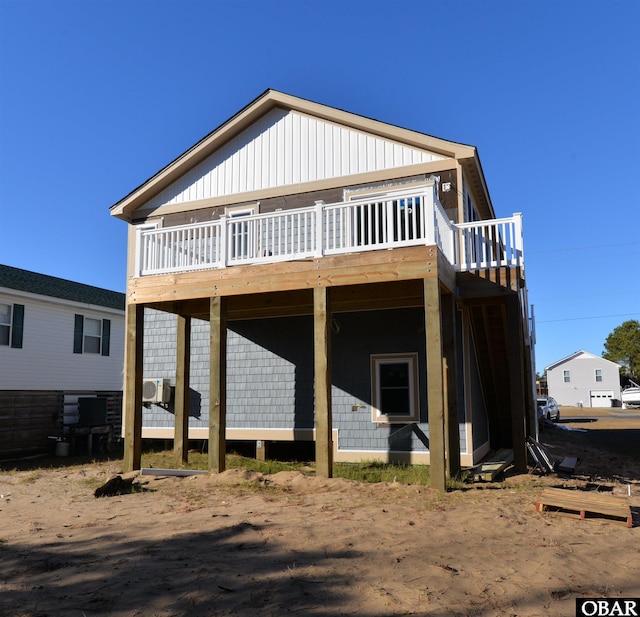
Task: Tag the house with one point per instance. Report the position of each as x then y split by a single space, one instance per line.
61 347
305 273
583 379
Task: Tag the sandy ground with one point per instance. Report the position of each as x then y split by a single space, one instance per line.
244 544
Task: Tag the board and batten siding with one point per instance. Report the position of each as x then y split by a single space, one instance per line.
46 360
288 148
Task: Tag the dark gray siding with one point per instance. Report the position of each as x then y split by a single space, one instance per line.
270 373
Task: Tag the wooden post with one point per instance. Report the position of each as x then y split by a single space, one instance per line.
450 384
529 389
516 383
217 384
435 392
133 388
183 362
322 378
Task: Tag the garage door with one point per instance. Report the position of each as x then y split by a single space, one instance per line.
601 398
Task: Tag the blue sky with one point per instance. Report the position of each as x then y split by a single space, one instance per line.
96 96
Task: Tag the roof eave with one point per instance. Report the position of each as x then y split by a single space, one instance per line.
262 105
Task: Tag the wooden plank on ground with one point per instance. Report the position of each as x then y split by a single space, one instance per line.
585 504
489 470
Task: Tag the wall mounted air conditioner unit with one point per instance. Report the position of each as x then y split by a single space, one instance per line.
156 390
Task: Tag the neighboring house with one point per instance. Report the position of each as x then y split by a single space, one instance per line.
304 273
60 341
585 380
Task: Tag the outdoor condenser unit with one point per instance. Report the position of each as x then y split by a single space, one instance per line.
156 390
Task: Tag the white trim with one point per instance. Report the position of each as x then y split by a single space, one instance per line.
389 189
411 360
575 355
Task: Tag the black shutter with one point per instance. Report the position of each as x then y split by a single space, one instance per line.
17 326
77 334
106 336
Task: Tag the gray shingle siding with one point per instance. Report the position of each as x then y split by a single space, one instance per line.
270 372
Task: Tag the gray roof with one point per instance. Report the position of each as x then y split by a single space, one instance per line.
44 285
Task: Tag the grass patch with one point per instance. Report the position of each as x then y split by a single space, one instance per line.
375 471
366 472
235 461
200 461
165 459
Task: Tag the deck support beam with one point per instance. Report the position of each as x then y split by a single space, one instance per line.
183 362
435 384
322 379
529 389
450 385
133 387
516 383
217 383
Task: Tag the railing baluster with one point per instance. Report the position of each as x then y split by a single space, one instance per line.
395 220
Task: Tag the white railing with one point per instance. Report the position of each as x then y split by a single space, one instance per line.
396 219
492 243
176 249
262 238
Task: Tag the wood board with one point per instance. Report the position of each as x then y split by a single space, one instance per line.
586 504
488 470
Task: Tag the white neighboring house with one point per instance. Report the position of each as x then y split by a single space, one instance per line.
584 380
59 341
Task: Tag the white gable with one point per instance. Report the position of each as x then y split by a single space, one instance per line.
577 357
286 147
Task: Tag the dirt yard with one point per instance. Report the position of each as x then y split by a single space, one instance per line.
245 544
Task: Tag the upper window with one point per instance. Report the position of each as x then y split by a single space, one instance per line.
91 335
598 374
11 325
566 376
395 387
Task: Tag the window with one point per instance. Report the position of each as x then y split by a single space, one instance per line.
11 325
598 374
91 335
566 376
394 387
5 324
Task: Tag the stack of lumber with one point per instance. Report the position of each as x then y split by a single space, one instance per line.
585 504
